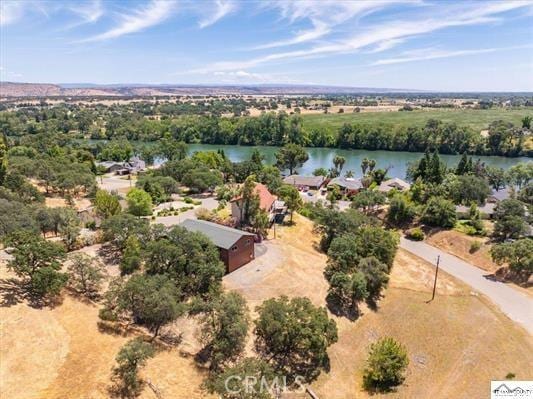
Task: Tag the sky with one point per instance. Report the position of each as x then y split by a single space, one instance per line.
439 45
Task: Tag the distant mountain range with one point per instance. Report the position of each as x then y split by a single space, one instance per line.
12 89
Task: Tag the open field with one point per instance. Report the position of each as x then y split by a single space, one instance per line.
474 118
456 344
61 353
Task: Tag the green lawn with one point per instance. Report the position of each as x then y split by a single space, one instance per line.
476 119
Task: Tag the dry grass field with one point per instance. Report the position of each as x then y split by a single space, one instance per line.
456 344
60 353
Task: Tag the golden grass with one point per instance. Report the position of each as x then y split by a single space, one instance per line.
456 344
60 353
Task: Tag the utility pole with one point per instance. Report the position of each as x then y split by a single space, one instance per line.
436 274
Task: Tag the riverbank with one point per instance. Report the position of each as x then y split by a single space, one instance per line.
323 158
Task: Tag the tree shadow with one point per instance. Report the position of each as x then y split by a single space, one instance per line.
109 254
506 275
351 313
14 291
373 302
114 328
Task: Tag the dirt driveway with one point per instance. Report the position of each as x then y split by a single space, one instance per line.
289 266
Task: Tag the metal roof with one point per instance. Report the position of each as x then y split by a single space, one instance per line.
222 236
311 181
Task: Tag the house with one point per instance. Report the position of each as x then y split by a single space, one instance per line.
489 206
267 202
348 185
394 184
500 195
134 165
487 209
303 182
110 166
236 247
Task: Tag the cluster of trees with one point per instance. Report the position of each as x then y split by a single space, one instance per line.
437 189
278 129
179 273
38 262
360 255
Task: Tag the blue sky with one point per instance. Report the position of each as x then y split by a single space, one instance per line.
413 44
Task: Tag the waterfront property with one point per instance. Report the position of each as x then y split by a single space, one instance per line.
134 165
394 184
236 247
305 182
488 207
347 185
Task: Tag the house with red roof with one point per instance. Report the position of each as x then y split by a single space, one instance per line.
267 201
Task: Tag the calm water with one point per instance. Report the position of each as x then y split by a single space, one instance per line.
323 158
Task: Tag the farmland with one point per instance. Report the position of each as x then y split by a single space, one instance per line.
476 119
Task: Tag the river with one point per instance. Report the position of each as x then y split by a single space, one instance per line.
323 158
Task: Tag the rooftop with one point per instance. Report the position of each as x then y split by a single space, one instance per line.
349 183
222 236
311 181
266 199
499 195
396 183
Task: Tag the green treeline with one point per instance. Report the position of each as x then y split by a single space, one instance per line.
502 138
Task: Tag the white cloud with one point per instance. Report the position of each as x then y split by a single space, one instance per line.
222 8
11 11
385 34
431 54
323 15
90 11
386 45
142 18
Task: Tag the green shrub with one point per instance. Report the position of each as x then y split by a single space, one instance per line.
415 234
386 365
91 225
475 246
188 200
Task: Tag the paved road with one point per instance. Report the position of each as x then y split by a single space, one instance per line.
516 305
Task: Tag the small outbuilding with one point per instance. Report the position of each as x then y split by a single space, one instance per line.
236 247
